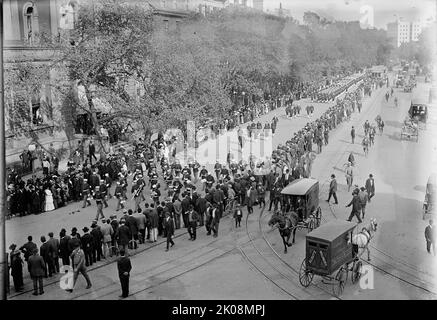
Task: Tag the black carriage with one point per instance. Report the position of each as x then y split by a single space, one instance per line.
302 197
329 250
418 111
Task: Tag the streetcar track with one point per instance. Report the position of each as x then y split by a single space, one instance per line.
395 268
368 111
287 264
106 263
261 255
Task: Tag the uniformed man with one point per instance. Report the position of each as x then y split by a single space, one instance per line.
99 202
86 193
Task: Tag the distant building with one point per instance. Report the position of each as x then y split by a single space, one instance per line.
258 5
403 31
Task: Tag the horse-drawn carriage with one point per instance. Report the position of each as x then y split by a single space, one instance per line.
301 209
329 249
419 111
410 129
430 195
303 196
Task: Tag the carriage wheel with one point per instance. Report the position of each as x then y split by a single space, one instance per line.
319 217
338 285
305 276
356 271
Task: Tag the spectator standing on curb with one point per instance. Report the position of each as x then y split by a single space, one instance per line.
169 227
16 266
124 267
64 249
36 267
353 134
430 237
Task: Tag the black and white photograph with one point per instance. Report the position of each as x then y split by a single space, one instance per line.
244 151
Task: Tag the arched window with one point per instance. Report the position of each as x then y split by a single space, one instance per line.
30 22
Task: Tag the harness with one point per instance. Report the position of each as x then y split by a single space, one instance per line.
366 232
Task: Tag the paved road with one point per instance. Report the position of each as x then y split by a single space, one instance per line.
214 268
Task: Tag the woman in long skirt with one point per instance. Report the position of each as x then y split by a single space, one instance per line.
49 205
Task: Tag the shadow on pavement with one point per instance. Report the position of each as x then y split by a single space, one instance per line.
394 124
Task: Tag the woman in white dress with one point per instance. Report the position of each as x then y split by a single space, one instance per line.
49 206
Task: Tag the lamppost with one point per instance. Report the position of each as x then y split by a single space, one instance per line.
244 101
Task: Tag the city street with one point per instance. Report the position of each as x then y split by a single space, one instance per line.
248 262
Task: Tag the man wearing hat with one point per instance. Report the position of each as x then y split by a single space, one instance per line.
356 207
36 268
119 195
124 267
86 193
16 265
370 186
99 202
87 245
333 189
97 235
78 258
193 217
363 200
238 214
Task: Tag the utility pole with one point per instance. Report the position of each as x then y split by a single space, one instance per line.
4 274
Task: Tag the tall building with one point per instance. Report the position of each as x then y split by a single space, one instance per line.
258 5
403 31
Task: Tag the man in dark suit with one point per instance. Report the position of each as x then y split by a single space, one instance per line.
124 267
185 207
193 217
132 224
333 189
54 249
169 227
201 205
87 245
92 152
430 237
370 186
356 207
47 256
28 248
36 268
123 235
97 242
64 249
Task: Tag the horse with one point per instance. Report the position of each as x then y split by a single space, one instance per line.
362 239
286 224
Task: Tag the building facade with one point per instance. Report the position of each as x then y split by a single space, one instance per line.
25 22
403 31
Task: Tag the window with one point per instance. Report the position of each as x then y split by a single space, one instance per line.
36 112
30 22
166 25
178 27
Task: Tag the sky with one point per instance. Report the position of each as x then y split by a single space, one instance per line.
349 10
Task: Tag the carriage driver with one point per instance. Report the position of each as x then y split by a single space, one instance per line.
300 209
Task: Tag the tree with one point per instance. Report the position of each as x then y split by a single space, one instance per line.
108 44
